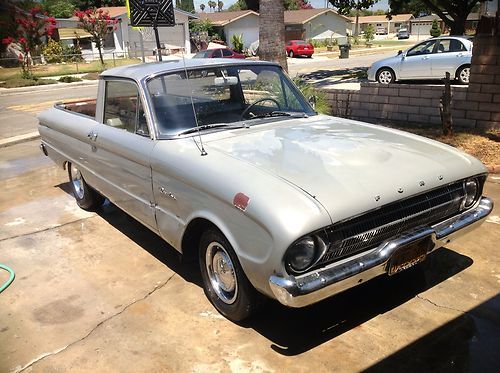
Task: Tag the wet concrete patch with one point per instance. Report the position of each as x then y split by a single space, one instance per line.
58 311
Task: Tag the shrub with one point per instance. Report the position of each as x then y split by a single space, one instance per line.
308 90
52 51
237 41
21 82
72 53
435 30
369 33
69 79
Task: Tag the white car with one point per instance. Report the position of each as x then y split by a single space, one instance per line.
227 161
430 59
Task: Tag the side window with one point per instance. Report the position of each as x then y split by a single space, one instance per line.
422 48
123 108
226 53
217 54
450 45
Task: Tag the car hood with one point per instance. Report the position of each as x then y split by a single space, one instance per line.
347 166
389 61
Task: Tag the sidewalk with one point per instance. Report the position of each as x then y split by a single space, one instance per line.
48 87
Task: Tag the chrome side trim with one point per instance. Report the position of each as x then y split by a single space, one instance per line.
303 290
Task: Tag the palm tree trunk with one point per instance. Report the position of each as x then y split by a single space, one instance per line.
272 32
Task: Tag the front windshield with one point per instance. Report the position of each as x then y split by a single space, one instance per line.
224 94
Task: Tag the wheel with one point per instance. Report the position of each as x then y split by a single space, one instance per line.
86 197
309 56
463 74
257 102
290 54
224 282
385 76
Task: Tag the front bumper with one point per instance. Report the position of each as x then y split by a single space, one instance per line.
306 289
371 74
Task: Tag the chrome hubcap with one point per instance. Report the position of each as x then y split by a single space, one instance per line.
220 270
464 75
77 181
385 77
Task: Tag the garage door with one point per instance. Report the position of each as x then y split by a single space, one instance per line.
422 29
172 35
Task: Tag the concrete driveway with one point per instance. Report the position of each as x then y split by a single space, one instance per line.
99 292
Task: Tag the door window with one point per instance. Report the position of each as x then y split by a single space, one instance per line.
217 54
123 107
226 53
422 48
450 45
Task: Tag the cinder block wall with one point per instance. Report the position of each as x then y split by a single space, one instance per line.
399 102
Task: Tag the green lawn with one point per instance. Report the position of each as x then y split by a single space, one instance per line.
41 71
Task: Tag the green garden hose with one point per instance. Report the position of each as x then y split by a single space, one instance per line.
11 278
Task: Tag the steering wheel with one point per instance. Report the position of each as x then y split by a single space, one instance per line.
257 102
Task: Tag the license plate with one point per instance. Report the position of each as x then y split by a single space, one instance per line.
409 255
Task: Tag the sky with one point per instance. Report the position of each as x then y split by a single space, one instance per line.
382 4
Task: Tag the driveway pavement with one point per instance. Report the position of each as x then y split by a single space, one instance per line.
99 292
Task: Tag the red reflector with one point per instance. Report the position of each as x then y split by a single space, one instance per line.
241 201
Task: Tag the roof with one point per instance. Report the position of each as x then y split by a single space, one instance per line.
383 18
72 33
429 18
143 70
225 18
305 15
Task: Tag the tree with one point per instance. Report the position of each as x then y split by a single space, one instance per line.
186 5
435 29
453 13
97 23
202 7
220 5
345 6
32 27
59 8
212 4
272 32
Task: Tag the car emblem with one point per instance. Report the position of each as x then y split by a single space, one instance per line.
400 190
421 183
377 198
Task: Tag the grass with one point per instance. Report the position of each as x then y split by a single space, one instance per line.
21 82
40 71
482 144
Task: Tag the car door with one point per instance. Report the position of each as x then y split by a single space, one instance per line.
121 151
415 64
449 55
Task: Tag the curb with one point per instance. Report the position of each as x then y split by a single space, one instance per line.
48 87
19 139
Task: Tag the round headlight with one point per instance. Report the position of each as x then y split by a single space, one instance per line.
301 254
471 188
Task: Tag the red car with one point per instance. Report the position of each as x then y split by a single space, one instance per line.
219 53
299 48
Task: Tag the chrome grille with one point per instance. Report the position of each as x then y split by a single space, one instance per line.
371 229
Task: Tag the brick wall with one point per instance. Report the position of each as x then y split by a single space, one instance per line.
401 102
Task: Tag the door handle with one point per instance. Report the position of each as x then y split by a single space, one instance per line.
425 57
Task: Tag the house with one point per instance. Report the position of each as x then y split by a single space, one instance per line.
299 24
318 24
126 40
227 24
421 26
382 24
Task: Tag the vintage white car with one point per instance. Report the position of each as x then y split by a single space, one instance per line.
229 163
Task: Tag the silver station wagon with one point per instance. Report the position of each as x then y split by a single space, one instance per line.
229 163
430 59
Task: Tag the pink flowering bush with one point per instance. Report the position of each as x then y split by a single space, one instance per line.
97 23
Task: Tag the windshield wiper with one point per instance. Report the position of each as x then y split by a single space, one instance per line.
278 113
211 126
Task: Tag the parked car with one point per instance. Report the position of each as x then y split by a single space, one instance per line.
219 53
403 34
299 48
228 162
430 59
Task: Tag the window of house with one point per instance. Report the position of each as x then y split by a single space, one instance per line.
123 108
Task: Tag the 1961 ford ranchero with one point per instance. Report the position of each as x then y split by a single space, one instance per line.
228 162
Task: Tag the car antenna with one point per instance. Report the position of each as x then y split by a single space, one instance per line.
200 147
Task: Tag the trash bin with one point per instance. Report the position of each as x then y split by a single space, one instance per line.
344 50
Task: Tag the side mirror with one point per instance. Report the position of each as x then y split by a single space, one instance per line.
312 101
400 52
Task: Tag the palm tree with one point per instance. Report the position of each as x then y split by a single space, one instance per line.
220 5
272 32
202 7
212 4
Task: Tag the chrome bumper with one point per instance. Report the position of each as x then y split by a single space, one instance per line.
322 283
